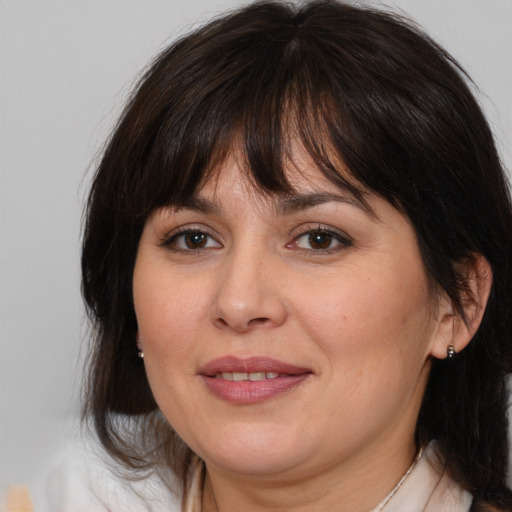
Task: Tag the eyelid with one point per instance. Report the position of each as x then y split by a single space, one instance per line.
169 237
343 239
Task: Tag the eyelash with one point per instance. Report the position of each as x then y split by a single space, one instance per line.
171 239
342 240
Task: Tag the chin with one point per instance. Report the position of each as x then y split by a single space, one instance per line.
256 463
255 451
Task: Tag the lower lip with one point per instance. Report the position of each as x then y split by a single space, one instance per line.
251 392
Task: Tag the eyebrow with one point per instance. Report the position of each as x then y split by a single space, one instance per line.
285 206
303 201
199 204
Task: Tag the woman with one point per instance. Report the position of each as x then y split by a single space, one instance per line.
296 261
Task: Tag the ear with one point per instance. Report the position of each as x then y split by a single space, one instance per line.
452 328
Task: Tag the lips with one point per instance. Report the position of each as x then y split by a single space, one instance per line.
251 380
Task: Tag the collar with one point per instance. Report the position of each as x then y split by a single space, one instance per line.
428 488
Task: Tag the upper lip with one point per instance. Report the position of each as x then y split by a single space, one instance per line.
252 364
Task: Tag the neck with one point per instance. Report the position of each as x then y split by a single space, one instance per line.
346 488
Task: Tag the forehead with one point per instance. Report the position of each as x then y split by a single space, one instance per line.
232 178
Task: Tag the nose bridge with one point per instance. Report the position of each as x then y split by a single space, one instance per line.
247 296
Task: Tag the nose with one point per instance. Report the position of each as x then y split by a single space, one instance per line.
248 295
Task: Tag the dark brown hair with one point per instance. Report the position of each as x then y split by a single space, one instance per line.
355 85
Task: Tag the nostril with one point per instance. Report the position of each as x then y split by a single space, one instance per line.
222 322
257 321
254 322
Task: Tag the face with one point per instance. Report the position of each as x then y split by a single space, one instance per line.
285 335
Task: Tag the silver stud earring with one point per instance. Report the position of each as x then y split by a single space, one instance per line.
140 353
451 352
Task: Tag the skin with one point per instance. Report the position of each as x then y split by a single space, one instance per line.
355 310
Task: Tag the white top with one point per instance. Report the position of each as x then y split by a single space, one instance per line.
82 481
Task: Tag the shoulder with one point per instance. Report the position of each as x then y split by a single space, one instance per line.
83 478
429 489
447 494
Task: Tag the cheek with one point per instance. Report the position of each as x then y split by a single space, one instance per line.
368 315
376 343
170 314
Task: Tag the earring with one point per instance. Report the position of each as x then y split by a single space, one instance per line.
140 353
451 352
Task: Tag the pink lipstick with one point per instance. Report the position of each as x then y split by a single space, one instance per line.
251 380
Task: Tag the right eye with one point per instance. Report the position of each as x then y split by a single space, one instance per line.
191 240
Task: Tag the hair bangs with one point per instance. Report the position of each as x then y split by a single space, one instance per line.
266 105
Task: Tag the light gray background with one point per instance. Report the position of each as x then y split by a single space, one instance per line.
65 69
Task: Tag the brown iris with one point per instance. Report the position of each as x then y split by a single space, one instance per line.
320 240
195 240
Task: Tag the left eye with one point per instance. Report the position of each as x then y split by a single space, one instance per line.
192 240
320 240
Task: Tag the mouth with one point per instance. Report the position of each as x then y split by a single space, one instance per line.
242 376
251 380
